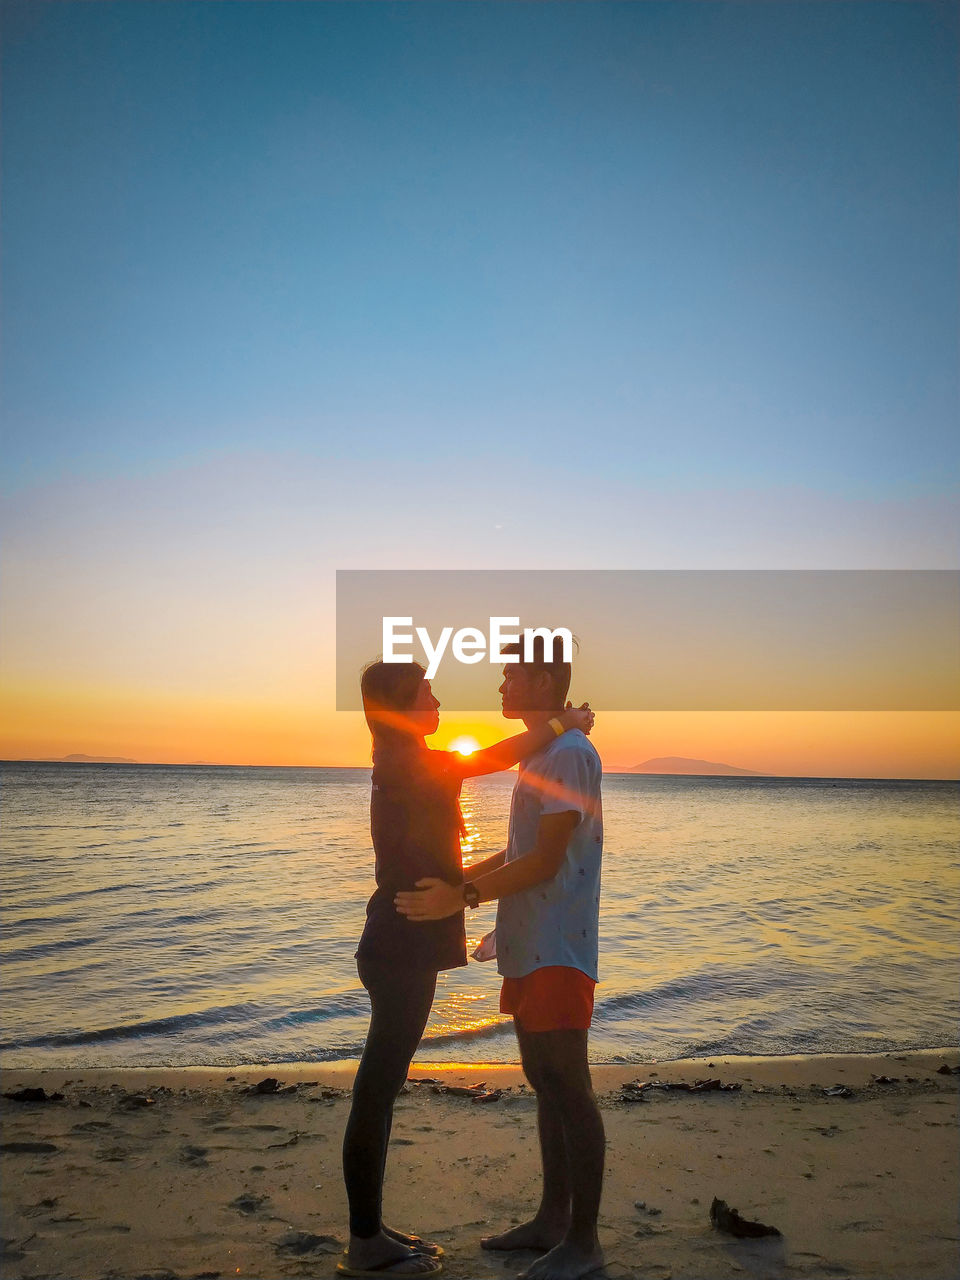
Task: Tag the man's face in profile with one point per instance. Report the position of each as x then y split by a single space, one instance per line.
522 690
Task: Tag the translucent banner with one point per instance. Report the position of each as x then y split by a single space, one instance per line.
668 640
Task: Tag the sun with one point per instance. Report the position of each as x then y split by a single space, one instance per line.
464 746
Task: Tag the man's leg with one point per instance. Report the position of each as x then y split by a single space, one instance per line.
565 1082
549 1224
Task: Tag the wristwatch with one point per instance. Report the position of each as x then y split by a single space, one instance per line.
471 895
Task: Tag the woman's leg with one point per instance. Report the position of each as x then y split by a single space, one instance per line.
399 1007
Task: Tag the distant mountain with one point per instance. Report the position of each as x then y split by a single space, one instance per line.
82 759
680 764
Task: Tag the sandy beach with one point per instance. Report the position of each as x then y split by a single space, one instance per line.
188 1173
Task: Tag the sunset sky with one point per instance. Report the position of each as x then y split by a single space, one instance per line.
292 288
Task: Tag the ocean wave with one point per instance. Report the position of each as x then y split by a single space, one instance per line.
489 1031
27 924
44 949
706 984
350 1004
75 896
135 1030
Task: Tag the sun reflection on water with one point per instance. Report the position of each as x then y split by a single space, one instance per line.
470 838
460 1011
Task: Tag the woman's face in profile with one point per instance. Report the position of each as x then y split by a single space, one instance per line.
425 710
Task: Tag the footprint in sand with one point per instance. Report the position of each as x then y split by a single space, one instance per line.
42 1206
302 1242
249 1203
68 1220
290 1142
10 1250
193 1156
816 1263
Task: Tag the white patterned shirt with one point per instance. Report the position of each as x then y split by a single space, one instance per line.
555 922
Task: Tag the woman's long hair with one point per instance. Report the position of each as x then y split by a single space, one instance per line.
389 690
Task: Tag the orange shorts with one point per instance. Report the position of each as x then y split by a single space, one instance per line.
555 998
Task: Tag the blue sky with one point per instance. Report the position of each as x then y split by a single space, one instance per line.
686 246
297 287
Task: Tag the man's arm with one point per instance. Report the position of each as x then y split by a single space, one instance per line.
434 899
476 869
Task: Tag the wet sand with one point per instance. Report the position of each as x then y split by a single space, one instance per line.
184 1173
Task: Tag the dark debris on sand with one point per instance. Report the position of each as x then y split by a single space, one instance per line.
270 1086
635 1090
136 1101
729 1220
33 1095
476 1092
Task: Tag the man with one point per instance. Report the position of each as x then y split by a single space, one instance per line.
547 882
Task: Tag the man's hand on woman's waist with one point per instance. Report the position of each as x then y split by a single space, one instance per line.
434 899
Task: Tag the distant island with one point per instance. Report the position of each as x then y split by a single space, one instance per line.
82 759
681 764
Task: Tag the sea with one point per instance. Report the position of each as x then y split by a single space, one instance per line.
179 915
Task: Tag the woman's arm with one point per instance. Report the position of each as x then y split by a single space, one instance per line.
505 754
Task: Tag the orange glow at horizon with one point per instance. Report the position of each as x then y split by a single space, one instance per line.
152 725
464 745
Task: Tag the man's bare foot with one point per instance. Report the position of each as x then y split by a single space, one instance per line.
413 1242
565 1262
381 1252
529 1235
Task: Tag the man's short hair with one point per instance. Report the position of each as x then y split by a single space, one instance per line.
543 660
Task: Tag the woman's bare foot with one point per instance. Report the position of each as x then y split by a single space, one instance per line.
535 1234
565 1262
413 1242
381 1251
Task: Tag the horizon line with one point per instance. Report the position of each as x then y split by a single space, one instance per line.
632 773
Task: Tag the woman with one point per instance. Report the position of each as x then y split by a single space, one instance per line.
416 825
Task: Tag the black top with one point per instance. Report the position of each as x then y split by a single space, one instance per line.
415 824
